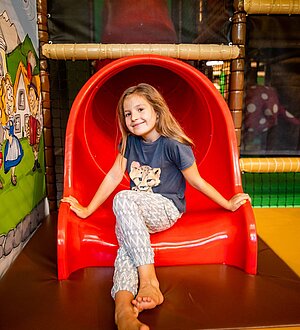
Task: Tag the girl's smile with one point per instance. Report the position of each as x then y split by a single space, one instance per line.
140 117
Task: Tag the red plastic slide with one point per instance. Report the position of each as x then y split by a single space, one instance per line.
206 233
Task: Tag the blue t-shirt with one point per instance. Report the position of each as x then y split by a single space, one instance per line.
156 167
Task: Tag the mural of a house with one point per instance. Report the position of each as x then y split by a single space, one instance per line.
21 100
3 67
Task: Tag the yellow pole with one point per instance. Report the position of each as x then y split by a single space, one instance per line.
289 7
114 51
270 165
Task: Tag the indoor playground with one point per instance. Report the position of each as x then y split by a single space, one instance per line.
230 73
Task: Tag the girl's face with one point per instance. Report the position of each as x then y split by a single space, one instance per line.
140 117
33 102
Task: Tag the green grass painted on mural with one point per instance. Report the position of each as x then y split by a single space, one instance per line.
18 201
273 189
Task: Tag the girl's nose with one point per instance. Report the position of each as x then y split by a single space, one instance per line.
134 115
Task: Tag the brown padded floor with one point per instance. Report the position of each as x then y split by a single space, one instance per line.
196 297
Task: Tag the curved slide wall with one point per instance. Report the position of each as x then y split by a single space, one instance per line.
91 145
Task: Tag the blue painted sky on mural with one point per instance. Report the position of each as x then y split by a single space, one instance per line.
23 14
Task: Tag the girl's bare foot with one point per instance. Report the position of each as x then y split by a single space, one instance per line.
148 297
126 315
127 320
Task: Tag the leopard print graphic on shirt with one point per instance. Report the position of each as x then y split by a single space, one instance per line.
144 177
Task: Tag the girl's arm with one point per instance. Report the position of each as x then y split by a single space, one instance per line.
193 177
108 185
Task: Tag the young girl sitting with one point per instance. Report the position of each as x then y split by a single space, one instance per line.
159 159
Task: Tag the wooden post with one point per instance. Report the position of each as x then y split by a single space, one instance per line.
46 109
236 85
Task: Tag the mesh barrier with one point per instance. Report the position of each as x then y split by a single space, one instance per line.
273 189
271 124
218 72
67 78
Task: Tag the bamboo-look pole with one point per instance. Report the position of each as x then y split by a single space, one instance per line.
236 84
287 7
114 51
45 89
269 165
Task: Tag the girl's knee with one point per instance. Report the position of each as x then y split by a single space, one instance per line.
122 198
121 195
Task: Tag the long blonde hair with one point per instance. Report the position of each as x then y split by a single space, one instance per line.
166 125
6 80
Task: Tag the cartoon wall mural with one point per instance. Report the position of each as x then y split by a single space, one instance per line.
22 175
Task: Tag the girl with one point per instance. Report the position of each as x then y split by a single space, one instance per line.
158 157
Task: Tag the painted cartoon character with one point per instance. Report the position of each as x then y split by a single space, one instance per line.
1 155
13 151
1 132
34 127
144 177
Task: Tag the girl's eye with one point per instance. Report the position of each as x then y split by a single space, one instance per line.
127 114
141 109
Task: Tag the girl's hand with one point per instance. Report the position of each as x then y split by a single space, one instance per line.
76 207
238 200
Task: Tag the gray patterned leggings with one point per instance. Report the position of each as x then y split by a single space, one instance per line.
137 215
